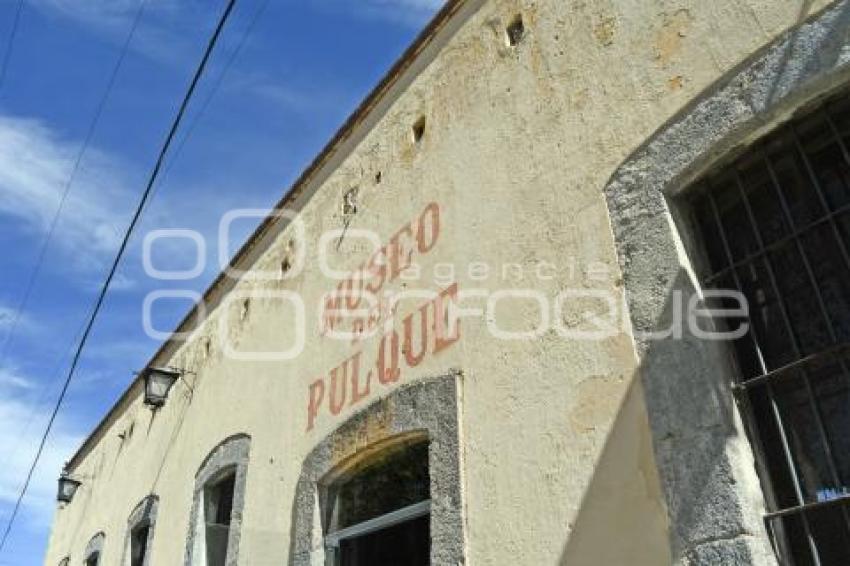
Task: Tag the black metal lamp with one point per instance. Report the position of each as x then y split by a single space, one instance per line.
67 488
158 382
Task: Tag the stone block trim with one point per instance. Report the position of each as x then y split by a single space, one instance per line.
231 454
706 467
426 408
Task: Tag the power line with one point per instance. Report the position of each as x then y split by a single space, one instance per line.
219 80
133 222
169 165
45 244
8 54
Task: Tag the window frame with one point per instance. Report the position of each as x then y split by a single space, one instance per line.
94 548
391 519
144 514
230 456
327 488
427 408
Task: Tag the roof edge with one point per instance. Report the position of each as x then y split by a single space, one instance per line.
402 64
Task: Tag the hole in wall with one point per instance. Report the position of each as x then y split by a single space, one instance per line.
378 178
419 130
349 202
246 308
515 31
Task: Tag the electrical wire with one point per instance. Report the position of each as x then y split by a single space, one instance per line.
11 41
216 86
113 269
45 244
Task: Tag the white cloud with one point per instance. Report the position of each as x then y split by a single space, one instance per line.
7 317
25 323
107 14
160 34
35 164
11 378
413 13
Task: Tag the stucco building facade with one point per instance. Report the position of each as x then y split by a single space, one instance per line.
517 223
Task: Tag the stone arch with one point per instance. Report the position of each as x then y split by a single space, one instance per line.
143 514
95 546
230 455
423 409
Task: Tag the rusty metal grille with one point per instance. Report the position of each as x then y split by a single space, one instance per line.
775 225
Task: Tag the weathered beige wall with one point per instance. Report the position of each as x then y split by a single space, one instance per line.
519 144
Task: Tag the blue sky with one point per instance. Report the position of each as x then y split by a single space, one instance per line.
300 72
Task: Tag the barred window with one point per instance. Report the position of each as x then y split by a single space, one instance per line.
775 225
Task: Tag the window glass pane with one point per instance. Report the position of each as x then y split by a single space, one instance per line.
138 545
827 162
735 220
407 544
711 240
218 502
748 358
796 186
800 300
804 441
766 315
831 386
216 542
840 112
791 247
771 449
797 542
833 277
394 479
829 532
842 222
764 202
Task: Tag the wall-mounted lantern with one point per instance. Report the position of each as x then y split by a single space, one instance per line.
158 382
67 487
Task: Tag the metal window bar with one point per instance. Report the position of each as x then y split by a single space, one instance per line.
811 398
778 244
728 268
780 425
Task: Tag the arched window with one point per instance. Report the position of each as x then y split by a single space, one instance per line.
140 527
377 512
392 496
218 501
94 549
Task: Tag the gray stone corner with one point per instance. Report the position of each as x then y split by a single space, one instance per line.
705 465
